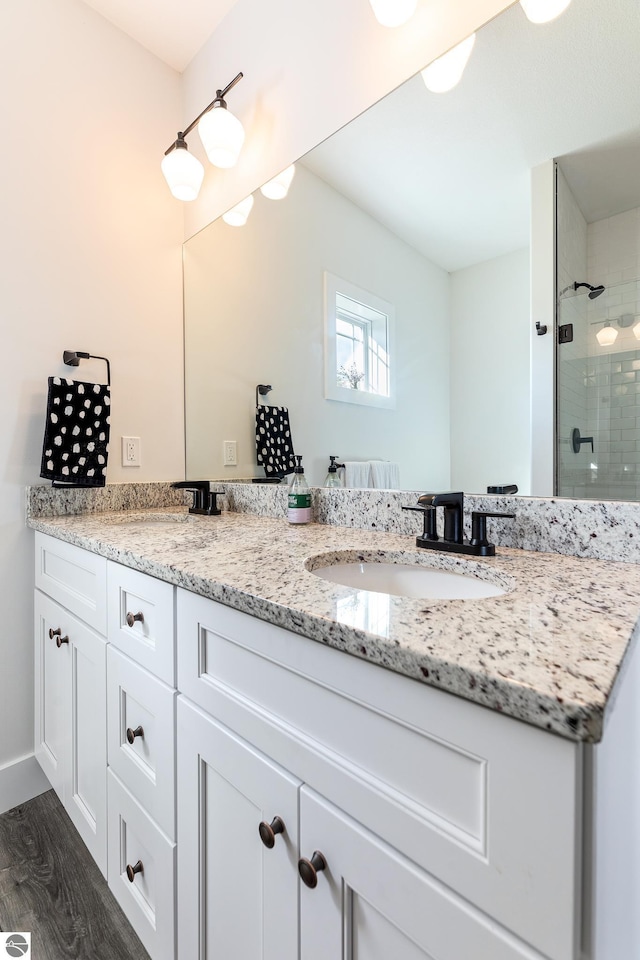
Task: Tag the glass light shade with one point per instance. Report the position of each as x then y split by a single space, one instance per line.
183 172
237 216
222 136
445 72
393 13
278 188
607 336
541 11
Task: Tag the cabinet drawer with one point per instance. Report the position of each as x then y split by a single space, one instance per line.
484 803
75 578
148 901
142 707
141 619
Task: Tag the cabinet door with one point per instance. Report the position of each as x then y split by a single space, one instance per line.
70 719
52 693
237 898
86 789
371 903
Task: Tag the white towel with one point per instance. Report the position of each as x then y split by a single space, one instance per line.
357 473
385 475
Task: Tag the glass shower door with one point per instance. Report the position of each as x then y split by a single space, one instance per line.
598 395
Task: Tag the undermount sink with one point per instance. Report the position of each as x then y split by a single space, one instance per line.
146 520
413 580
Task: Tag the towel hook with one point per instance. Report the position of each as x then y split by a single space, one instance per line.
263 389
72 358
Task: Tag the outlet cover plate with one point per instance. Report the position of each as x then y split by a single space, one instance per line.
131 455
229 453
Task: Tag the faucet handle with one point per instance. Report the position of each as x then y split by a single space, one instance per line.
479 526
429 512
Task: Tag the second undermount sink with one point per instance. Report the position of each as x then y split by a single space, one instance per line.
148 520
413 580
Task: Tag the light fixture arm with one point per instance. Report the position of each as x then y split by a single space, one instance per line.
220 95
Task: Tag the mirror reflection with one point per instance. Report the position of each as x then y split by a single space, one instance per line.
422 206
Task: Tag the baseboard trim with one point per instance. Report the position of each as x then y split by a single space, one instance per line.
21 780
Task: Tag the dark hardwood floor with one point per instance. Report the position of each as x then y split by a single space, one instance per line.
49 885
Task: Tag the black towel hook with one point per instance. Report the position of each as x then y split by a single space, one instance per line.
72 358
263 389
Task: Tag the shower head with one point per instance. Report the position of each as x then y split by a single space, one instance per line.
593 291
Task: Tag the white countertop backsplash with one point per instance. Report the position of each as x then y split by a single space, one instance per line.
601 530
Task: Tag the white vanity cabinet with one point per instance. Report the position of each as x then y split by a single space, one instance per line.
437 829
70 684
447 829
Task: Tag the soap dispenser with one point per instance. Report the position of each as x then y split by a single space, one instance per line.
333 480
299 501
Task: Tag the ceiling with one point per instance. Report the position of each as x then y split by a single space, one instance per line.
450 173
173 31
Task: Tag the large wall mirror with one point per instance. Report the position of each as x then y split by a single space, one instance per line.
410 227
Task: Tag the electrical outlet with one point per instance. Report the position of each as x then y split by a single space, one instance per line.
131 452
229 453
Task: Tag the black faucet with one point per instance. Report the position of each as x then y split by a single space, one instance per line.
204 499
453 540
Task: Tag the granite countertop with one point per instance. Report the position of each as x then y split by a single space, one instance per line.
546 652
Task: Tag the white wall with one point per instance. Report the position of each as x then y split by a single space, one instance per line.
309 68
254 309
90 260
490 370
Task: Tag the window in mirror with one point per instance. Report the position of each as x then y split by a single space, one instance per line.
358 352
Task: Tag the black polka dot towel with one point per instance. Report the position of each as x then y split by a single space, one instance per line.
274 445
76 436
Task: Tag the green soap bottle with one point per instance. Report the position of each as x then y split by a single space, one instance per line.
299 502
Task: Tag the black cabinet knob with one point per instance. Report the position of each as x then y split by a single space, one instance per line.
132 734
132 617
132 870
268 831
309 869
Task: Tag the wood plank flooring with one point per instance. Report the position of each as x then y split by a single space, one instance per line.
49 885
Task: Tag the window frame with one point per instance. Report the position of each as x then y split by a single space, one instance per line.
333 286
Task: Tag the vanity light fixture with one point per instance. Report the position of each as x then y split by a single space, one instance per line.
237 216
393 13
222 136
542 11
278 187
182 171
444 73
607 335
